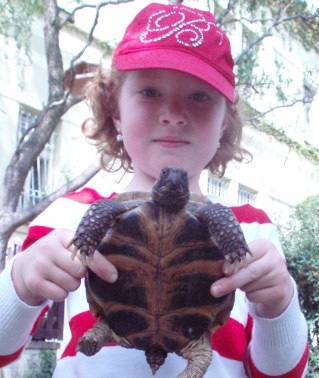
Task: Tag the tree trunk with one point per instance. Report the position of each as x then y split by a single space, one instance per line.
4 238
30 146
10 221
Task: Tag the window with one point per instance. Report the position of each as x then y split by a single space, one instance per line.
245 195
14 247
38 181
217 187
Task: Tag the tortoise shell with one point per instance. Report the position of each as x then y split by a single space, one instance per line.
166 265
167 258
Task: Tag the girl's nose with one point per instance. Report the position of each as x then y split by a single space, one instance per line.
173 114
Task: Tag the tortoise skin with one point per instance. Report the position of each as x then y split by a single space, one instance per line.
167 257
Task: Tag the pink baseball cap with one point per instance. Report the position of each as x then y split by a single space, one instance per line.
179 38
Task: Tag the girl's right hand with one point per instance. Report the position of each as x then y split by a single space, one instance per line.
46 271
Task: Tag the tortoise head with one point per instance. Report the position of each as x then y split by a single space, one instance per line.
171 188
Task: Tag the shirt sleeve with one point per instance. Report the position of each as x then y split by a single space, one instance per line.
18 320
278 347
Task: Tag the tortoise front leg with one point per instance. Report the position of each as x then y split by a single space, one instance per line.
199 355
225 231
100 335
96 221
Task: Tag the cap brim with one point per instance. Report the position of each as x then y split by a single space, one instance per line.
175 60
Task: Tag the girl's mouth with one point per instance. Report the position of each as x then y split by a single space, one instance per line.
170 142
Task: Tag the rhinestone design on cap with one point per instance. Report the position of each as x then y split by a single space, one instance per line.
195 27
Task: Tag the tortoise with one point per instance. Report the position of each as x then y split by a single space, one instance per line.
168 247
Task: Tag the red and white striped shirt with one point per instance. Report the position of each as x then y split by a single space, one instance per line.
248 346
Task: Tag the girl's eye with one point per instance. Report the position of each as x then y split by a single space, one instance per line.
200 97
150 92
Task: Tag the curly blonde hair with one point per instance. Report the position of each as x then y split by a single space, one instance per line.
102 94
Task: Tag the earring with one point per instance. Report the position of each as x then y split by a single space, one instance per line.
119 137
218 145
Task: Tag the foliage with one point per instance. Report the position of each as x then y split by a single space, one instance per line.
247 16
43 366
308 152
305 29
48 362
313 368
272 83
301 243
306 32
254 119
16 19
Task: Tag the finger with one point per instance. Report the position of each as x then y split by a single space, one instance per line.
267 280
229 269
75 267
245 275
54 292
101 266
50 290
263 295
275 273
279 286
64 280
61 257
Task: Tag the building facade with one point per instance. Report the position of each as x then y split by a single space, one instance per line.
276 180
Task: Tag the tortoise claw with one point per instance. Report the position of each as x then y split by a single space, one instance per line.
245 261
85 245
79 245
234 260
231 268
74 252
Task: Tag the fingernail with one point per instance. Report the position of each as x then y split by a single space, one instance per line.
113 277
216 290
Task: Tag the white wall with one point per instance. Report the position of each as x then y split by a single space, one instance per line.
276 172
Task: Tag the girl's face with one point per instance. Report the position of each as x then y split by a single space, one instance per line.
168 118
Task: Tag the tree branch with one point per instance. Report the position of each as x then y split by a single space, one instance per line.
279 19
266 34
251 45
10 221
70 16
71 101
230 6
75 58
53 53
296 17
262 114
250 20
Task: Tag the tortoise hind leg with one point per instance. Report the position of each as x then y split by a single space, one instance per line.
100 335
199 355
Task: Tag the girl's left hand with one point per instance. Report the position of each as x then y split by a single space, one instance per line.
264 278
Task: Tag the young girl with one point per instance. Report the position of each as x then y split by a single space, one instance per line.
169 101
